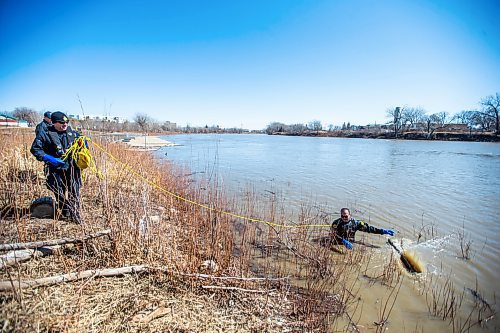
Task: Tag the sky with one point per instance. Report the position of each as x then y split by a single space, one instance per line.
248 63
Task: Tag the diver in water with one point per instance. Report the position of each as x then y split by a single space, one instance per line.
344 229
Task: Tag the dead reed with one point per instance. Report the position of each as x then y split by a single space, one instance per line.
425 231
465 243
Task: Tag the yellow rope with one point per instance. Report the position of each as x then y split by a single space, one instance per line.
153 184
81 154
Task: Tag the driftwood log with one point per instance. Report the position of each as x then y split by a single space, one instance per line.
213 277
39 244
51 280
108 272
17 256
238 289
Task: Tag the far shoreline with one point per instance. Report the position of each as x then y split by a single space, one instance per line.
439 136
153 138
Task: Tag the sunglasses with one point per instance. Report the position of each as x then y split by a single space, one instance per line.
62 122
344 216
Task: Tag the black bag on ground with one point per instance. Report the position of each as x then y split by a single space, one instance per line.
43 208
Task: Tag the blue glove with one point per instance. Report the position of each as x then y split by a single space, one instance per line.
54 161
388 232
86 144
347 244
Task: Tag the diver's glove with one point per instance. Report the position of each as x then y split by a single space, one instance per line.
347 244
388 232
54 161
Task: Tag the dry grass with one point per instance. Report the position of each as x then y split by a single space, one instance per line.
150 227
142 303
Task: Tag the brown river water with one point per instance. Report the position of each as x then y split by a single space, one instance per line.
446 192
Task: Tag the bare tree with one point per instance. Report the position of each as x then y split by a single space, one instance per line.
396 116
276 127
440 118
491 108
315 125
435 121
30 115
464 117
155 126
413 116
125 126
481 120
142 120
297 129
467 117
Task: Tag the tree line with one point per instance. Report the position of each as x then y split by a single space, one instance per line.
141 123
406 118
400 119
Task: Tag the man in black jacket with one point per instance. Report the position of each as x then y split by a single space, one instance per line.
63 176
45 123
344 229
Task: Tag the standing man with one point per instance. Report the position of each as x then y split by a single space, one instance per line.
344 229
63 177
46 122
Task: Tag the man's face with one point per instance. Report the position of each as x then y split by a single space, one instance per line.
345 215
47 120
61 126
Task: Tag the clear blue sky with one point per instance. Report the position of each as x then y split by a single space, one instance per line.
248 63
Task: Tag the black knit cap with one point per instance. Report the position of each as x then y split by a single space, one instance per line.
58 116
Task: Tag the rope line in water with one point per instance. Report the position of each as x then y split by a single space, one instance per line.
162 189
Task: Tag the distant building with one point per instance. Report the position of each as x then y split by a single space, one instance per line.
454 128
8 121
169 126
114 119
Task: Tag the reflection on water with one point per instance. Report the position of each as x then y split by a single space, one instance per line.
410 186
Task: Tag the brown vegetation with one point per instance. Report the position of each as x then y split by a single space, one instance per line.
172 237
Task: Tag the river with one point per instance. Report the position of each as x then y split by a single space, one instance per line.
439 189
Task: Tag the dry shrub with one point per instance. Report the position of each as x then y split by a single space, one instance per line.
143 303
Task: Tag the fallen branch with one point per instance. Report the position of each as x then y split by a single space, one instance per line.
39 244
17 256
238 289
206 276
147 318
51 280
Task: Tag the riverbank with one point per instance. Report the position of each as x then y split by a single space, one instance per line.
160 264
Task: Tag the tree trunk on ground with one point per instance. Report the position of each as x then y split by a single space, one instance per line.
35 245
18 256
51 280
